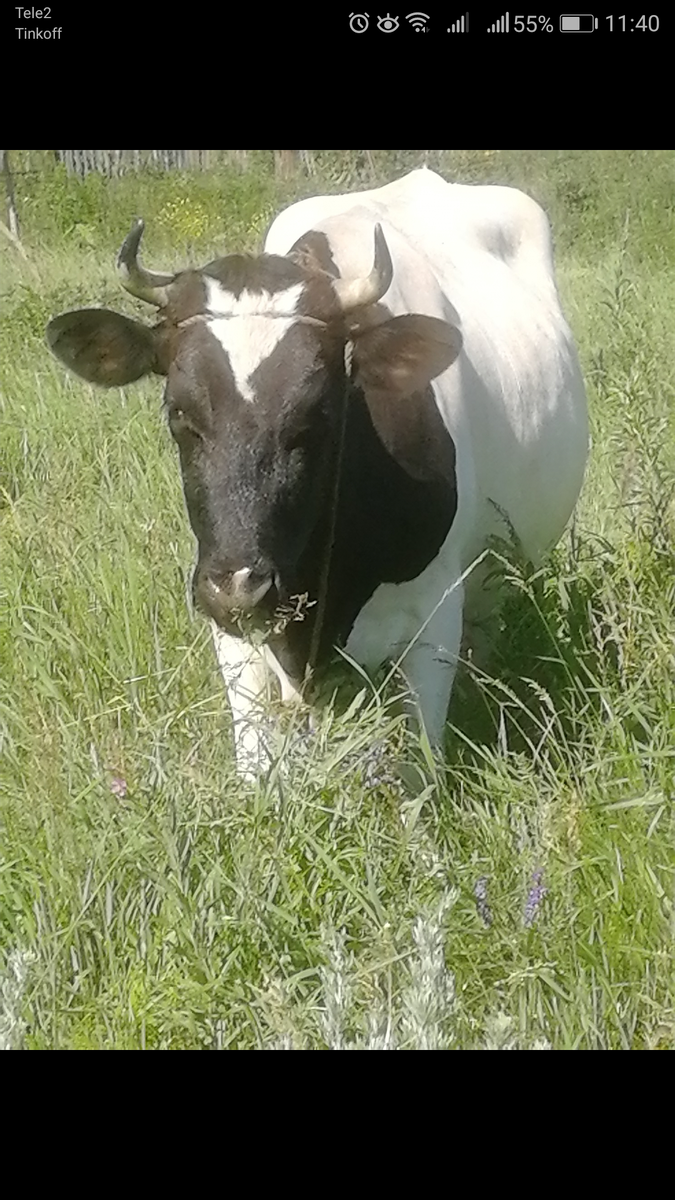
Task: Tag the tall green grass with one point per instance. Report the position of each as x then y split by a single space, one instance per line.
520 894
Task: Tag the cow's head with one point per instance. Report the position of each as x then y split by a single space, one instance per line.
253 351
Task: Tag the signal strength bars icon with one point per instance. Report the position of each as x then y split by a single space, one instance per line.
500 26
460 26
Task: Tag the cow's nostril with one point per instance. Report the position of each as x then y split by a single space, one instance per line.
220 595
248 586
240 577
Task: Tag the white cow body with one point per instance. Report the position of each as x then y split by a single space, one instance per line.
513 402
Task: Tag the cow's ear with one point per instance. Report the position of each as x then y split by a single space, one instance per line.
103 346
404 354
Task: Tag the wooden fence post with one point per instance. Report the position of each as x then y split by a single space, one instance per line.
12 215
285 162
307 160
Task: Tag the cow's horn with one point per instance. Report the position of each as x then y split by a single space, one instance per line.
147 285
354 293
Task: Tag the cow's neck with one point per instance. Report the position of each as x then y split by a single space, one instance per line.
394 510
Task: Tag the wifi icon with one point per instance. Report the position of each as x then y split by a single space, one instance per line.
418 21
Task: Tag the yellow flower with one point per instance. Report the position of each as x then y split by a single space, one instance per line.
185 219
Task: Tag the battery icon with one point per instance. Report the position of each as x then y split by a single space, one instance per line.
578 24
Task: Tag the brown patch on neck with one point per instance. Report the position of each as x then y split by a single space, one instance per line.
313 253
413 432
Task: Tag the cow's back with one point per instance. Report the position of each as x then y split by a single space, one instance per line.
447 223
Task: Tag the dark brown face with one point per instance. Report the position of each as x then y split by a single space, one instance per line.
252 398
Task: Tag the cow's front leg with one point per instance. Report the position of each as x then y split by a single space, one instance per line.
247 680
430 665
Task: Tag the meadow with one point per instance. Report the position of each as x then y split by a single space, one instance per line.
521 893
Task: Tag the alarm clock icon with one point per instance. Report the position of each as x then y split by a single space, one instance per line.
358 22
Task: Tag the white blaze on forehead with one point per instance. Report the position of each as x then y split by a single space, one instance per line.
249 326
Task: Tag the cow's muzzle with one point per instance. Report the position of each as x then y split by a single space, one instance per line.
226 598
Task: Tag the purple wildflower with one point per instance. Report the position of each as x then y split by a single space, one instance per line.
535 896
118 787
480 892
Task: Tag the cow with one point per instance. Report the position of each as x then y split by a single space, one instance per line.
357 411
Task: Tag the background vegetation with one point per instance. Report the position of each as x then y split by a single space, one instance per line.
522 895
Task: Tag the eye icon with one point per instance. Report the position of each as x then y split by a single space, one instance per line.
358 22
387 24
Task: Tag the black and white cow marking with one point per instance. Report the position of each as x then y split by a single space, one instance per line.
356 411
